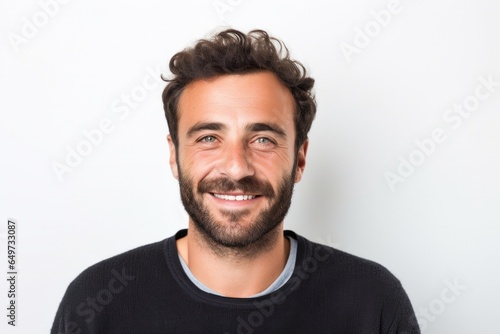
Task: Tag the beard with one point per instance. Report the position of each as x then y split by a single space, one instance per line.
236 233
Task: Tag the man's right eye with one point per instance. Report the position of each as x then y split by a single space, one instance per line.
208 139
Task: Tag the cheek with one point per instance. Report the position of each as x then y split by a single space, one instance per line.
273 166
279 158
198 164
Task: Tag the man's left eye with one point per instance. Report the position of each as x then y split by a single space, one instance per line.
263 140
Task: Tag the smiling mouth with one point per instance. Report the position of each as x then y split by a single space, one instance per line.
235 197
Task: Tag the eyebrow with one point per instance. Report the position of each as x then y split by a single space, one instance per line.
205 126
272 127
254 127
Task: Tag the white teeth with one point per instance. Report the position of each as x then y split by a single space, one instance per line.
235 198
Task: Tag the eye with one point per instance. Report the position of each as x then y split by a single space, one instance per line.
264 141
208 139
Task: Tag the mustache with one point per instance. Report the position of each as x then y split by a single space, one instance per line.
248 184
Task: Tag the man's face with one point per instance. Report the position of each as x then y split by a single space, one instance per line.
236 156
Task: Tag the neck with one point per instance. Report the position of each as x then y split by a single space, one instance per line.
235 272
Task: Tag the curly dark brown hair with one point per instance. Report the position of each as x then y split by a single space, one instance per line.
233 52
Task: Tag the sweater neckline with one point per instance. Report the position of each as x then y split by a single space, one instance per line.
178 273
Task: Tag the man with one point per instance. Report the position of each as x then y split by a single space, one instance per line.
238 110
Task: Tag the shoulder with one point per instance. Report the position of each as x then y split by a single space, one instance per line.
118 270
113 280
345 284
340 266
131 259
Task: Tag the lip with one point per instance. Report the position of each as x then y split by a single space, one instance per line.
235 203
231 193
234 194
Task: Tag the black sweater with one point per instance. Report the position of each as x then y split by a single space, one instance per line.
145 290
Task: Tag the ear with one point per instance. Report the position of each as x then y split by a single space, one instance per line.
301 160
173 157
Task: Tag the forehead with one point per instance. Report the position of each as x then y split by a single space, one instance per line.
253 97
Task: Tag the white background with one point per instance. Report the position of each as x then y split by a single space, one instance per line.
439 225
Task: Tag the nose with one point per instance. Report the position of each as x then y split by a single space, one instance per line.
236 162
